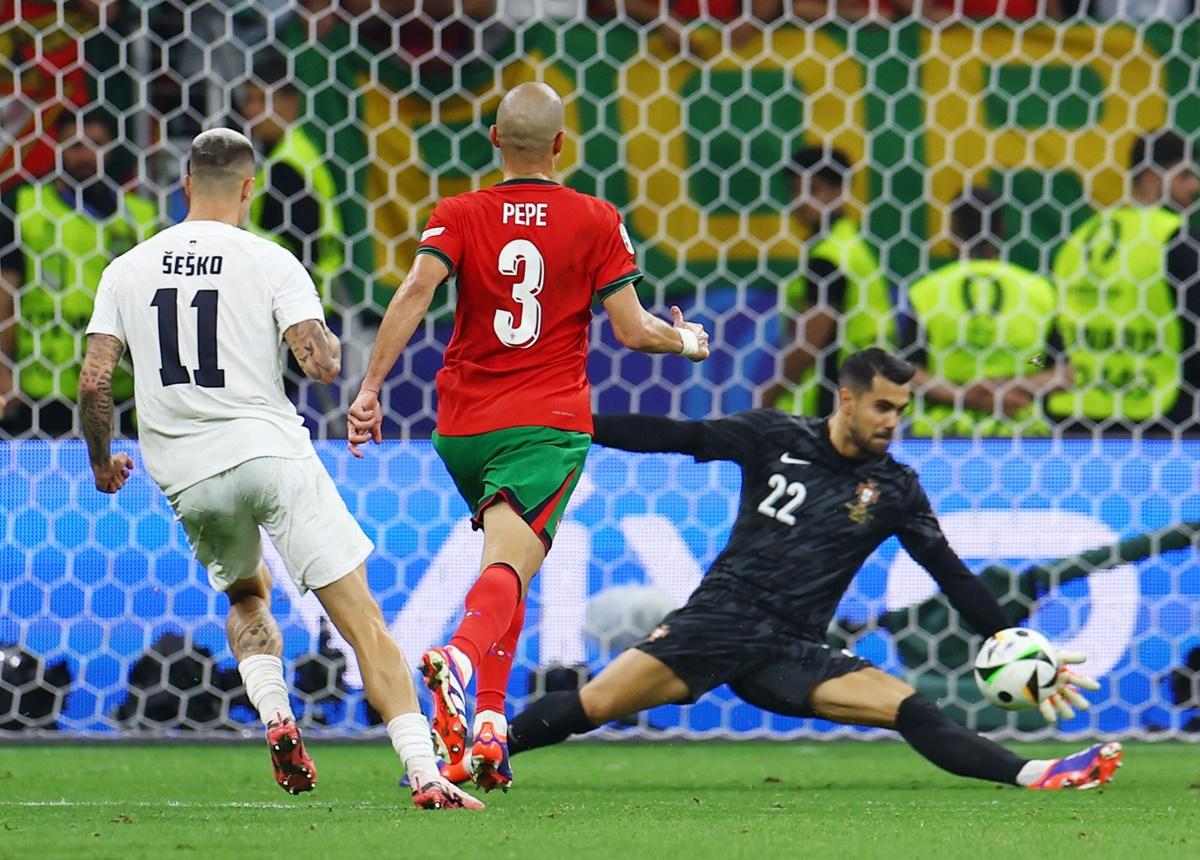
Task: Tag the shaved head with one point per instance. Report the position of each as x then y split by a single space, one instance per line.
529 119
220 160
220 177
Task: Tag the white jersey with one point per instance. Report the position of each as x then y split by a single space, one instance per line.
202 308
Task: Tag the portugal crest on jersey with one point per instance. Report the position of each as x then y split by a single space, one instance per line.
866 494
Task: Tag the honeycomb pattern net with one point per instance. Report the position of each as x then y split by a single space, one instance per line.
92 583
689 145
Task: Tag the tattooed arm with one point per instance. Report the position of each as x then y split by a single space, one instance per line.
96 408
317 350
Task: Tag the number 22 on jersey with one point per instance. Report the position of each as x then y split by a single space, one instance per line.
780 486
524 293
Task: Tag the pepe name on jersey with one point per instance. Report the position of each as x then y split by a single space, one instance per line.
191 264
524 214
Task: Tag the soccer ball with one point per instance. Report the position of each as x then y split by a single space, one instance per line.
1016 669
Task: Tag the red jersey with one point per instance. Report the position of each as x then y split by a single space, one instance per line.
531 256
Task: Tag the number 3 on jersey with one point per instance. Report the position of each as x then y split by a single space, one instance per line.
779 487
524 292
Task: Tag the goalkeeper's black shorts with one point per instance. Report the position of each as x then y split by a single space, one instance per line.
717 639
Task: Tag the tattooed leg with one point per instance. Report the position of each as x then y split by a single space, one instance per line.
250 626
257 644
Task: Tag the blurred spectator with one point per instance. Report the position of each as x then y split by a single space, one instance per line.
1130 299
40 76
841 298
1011 10
434 35
296 200
296 205
56 237
212 46
986 346
843 10
200 50
320 17
672 20
1131 11
327 23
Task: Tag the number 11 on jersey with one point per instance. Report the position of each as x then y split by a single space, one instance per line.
172 372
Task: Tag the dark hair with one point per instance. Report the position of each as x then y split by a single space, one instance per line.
1160 150
827 164
220 156
978 216
859 370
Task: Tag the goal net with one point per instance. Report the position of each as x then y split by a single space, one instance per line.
108 625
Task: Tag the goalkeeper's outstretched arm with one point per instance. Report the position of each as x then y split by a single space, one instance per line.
647 434
923 538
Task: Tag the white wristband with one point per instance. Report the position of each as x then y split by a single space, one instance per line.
691 343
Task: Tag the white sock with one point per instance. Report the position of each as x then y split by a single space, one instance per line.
268 692
498 721
411 741
1033 771
462 663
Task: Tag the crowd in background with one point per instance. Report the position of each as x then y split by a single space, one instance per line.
1103 341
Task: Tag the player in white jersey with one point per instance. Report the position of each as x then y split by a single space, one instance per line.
202 308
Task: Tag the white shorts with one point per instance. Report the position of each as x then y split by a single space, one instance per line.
297 504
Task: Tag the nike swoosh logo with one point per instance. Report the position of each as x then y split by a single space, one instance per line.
794 461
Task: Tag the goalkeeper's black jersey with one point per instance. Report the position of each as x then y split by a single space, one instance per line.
808 517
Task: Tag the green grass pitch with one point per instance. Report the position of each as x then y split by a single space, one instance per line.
587 801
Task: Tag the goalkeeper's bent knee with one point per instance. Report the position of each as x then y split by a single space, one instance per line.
550 720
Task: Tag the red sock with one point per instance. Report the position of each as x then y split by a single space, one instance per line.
491 676
490 603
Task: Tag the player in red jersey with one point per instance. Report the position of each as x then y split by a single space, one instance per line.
514 411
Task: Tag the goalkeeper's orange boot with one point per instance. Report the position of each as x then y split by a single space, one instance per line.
489 759
1094 766
294 770
449 721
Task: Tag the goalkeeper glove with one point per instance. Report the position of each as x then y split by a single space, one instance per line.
1061 704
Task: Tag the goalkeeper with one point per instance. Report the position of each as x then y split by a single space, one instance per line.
818 496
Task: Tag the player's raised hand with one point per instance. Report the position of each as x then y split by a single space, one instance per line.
112 475
1061 704
699 351
364 422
